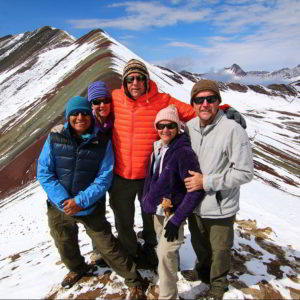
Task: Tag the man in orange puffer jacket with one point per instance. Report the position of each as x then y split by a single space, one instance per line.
135 106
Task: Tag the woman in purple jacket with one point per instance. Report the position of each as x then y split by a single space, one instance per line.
166 197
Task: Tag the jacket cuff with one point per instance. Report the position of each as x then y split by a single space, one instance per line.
176 221
77 200
207 183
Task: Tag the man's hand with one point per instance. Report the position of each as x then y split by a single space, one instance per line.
194 182
70 207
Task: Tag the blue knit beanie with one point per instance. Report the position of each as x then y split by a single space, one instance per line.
77 104
97 89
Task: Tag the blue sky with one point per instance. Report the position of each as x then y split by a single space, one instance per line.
195 35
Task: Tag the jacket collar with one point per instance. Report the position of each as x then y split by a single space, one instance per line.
106 126
85 137
209 127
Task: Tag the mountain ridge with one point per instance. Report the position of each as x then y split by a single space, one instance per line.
53 67
285 73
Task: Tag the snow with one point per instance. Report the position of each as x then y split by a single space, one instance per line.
47 72
12 40
272 208
36 271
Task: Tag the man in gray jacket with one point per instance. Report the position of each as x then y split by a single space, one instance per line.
224 152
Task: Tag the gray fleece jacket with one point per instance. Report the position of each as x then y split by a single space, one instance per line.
224 151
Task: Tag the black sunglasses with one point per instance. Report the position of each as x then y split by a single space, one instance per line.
172 125
130 79
76 113
99 101
209 99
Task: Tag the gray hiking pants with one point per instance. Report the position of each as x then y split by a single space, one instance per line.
64 230
212 240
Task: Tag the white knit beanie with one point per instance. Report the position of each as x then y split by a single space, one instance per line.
169 113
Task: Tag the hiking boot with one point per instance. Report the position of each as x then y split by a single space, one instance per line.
136 292
193 275
73 276
70 279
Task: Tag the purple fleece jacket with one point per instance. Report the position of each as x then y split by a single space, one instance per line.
178 159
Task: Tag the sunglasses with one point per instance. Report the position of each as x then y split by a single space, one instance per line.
76 113
130 79
99 101
172 125
209 99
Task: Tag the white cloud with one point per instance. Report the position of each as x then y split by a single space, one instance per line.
256 34
177 64
141 15
272 43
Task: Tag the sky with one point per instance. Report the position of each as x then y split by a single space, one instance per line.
195 35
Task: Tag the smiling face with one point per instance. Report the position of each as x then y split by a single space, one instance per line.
136 88
206 111
80 122
167 134
101 110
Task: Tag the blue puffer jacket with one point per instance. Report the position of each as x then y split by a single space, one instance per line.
83 171
178 160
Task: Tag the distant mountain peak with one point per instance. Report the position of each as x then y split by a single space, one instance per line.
236 70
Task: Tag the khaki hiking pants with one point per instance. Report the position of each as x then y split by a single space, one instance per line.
168 258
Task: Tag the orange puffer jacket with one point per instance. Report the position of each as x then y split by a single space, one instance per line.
134 132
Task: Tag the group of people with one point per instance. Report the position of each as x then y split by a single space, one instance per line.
182 161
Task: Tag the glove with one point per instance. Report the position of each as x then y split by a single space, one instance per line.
233 114
171 233
58 128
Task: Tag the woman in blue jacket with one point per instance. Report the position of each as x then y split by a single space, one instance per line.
166 197
75 169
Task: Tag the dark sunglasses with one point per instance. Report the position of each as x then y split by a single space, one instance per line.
209 99
130 79
172 125
76 113
99 101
